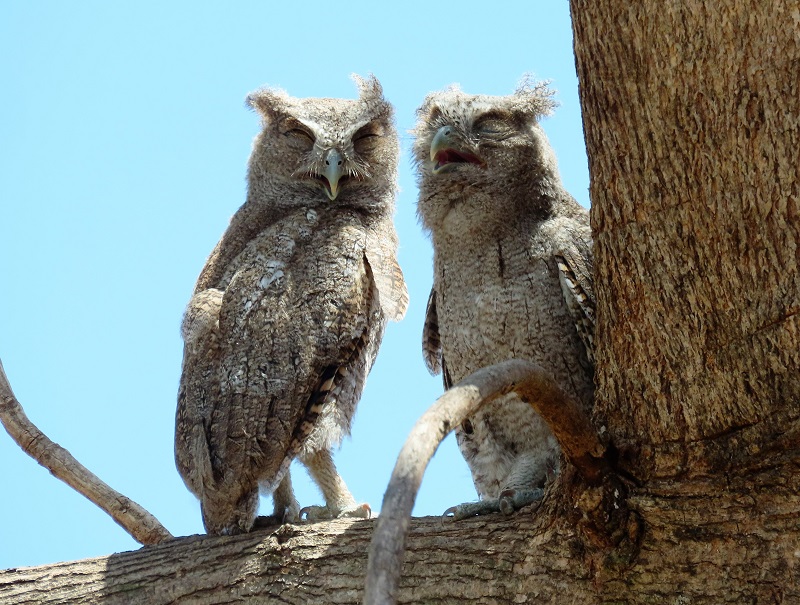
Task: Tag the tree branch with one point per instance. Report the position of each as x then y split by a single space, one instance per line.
724 539
562 413
140 524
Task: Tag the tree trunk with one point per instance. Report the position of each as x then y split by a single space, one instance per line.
692 121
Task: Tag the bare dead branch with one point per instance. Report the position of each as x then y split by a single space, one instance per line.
140 524
562 413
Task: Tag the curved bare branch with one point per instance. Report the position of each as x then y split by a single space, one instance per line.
562 413
140 524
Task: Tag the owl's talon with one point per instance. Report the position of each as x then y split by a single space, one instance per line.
505 502
512 500
472 509
314 514
309 513
359 511
450 513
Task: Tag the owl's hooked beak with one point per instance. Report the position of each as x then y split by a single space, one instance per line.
446 151
332 173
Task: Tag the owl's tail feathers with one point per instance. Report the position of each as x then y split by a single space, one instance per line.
199 476
229 511
228 504
228 508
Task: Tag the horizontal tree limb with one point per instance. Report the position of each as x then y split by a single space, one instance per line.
737 534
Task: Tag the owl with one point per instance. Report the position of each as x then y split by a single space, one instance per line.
512 275
290 308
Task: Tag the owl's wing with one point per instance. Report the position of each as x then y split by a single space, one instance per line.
200 331
292 339
431 343
575 263
382 256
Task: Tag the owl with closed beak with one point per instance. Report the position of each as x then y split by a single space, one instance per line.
512 275
289 310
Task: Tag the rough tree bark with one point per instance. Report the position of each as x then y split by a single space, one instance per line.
692 121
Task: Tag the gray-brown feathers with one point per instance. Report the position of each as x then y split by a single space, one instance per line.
289 310
431 344
512 269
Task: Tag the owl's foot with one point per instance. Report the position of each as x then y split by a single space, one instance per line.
510 500
314 514
472 509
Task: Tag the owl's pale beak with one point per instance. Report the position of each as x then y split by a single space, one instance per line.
446 151
332 172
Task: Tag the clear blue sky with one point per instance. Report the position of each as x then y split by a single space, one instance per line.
123 145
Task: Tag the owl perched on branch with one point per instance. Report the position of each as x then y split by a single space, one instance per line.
289 310
512 275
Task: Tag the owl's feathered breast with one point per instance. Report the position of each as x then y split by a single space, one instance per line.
490 306
500 297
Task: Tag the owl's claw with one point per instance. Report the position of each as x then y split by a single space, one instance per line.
510 500
313 514
449 513
506 502
472 509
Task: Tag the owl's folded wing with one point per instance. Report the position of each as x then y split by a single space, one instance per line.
431 344
381 251
575 264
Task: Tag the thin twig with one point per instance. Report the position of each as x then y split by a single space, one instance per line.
562 413
140 524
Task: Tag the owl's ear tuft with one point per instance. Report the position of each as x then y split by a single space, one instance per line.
369 88
371 94
535 96
266 101
428 107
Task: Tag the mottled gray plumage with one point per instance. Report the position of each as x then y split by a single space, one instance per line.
512 271
289 310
